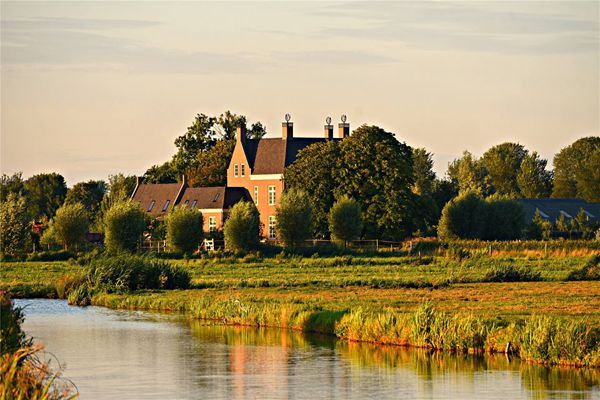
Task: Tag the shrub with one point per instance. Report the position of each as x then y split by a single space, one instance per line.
184 229
242 228
60 255
294 218
589 272
345 221
124 273
124 225
70 224
11 317
511 274
463 217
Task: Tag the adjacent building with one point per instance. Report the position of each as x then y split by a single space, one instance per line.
255 173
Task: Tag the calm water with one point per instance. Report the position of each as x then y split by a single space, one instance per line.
112 354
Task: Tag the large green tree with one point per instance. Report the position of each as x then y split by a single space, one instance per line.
70 224
184 229
377 170
242 228
89 194
312 172
124 224
45 193
427 212
463 217
15 225
211 165
533 180
572 166
11 184
294 218
469 174
345 220
502 163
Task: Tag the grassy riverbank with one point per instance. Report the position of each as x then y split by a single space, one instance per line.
469 306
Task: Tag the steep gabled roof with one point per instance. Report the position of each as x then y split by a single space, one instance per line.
145 194
272 155
217 198
551 209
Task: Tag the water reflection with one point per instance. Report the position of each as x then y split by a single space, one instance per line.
123 354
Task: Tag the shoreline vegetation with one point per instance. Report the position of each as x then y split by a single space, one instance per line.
464 302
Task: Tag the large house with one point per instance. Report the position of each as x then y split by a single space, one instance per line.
255 173
552 209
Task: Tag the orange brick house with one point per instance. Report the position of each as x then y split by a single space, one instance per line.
255 173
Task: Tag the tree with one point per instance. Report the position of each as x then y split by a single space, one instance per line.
11 184
15 225
70 224
376 170
164 173
504 219
568 163
463 218
184 229
345 220
120 188
124 224
294 218
45 193
533 180
469 175
584 225
312 172
502 162
427 212
588 178
211 166
89 194
242 228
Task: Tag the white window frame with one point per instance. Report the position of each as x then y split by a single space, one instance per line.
272 195
212 224
272 223
235 170
166 206
151 206
256 195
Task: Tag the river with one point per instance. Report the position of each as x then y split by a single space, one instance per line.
112 354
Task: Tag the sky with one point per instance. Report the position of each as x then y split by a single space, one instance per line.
90 89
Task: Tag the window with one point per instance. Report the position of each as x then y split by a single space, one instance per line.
256 195
212 224
151 206
566 214
194 203
271 227
187 203
235 170
243 170
271 195
166 205
216 197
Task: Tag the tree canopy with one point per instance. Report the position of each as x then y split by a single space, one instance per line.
576 170
45 193
15 225
294 218
502 163
70 224
345 220
242 228
89 194
184 229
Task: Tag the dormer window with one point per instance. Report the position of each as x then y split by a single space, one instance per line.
166 205
194 203
151 206
187 203
243 170
566 214
217 196
235 170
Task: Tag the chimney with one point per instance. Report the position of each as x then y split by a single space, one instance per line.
241 133
287 128
343 128
328 129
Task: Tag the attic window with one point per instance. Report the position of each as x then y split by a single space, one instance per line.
166 205
590 215
151 206
187 202
543 214
243 170
194 203
566 214
217 195
235 170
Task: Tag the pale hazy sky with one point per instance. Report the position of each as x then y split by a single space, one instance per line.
95 88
